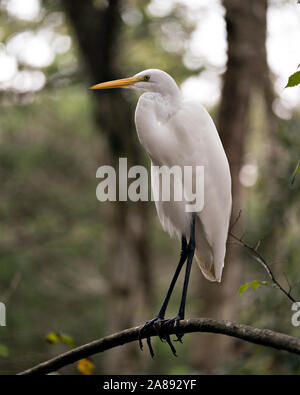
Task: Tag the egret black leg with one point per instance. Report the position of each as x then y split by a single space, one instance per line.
181 313
183 256
191 252
161 315
187 253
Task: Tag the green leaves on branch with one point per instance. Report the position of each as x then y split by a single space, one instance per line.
55 338
85 365
253 284
294 79
297 170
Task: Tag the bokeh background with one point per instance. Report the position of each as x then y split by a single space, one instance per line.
74 266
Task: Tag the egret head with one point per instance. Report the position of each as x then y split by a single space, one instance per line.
151 80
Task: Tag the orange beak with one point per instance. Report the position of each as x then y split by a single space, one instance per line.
122 83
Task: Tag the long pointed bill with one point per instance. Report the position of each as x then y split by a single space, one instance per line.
123 83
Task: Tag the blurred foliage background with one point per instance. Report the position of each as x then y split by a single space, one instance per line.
75 266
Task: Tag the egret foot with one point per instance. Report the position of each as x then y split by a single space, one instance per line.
155 323
159 325
174 322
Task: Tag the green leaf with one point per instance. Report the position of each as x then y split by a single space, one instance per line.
3 351
243 288
67 340
297 170
55 338
294 80
253 284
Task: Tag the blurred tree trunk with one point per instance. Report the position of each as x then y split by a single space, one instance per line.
97 28
247 74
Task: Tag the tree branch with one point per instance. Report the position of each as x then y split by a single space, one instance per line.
263 337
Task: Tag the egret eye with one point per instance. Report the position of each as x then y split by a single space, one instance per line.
147 78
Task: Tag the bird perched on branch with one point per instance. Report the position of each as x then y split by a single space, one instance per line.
178 132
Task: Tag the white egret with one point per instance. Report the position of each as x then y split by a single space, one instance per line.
175 131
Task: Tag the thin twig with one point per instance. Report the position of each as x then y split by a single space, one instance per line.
288 282
260 259
235 221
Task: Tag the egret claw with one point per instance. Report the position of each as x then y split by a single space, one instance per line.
175 322
169 341
150 347
156 324
159 324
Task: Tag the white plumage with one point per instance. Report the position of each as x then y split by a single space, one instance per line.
174 131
